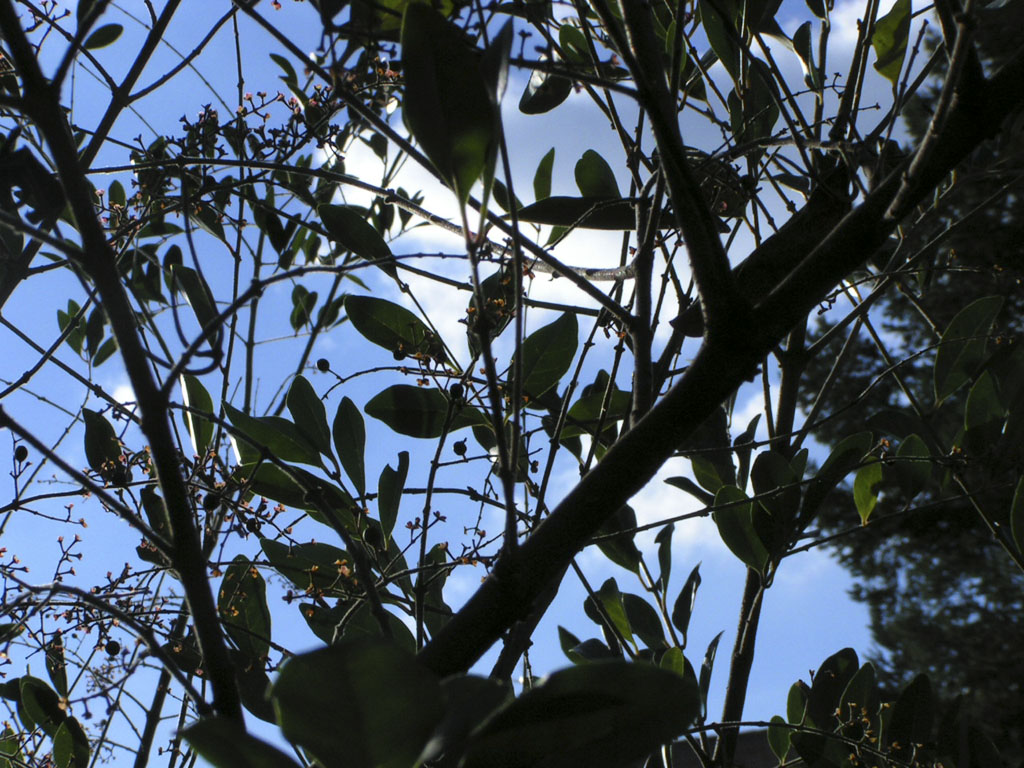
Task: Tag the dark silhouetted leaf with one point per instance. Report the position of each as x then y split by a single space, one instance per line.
350 229
594 177
962 347
683 608
391 326
389 703
420 412
103 36
389 492
542 177
309 414
242 604
547 354
447 106
607 713
620 548
279 435
103 449
224 745
544 92
350 442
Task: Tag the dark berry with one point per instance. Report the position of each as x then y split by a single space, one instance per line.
323 365
456 390
398 354
112 648
460 448
211 501
20 453
252 525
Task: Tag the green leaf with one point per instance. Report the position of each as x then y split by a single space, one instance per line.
70 745
594 177
447 105
309 414
796 702
722 34
200 430
279 435
913 714
316 568
682 610
706 667
103 449
420 412
468 701
350 442
56 667
546 355
224 745
610 599
544 92
606 713
39 705
353 620
103 36
860 697
266 479
197 293
664 542
844 458
391 326
830 681
890 40
778 738
913 467
865 495
620 548
804 47
736 527
362 703
983 415
242 604
289 76
303 303
962 347
347 226
390 488
611 213
1017 516
542 177
644 621
710 452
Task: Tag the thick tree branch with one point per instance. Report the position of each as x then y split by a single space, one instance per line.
516 582
721 305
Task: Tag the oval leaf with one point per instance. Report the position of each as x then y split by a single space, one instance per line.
547 354
604 713
103 36
350 442
447 105
420 412
362 703
309 414
391 326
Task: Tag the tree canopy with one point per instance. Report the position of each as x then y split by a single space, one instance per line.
349 384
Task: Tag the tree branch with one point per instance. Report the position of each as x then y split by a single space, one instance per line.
517 580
